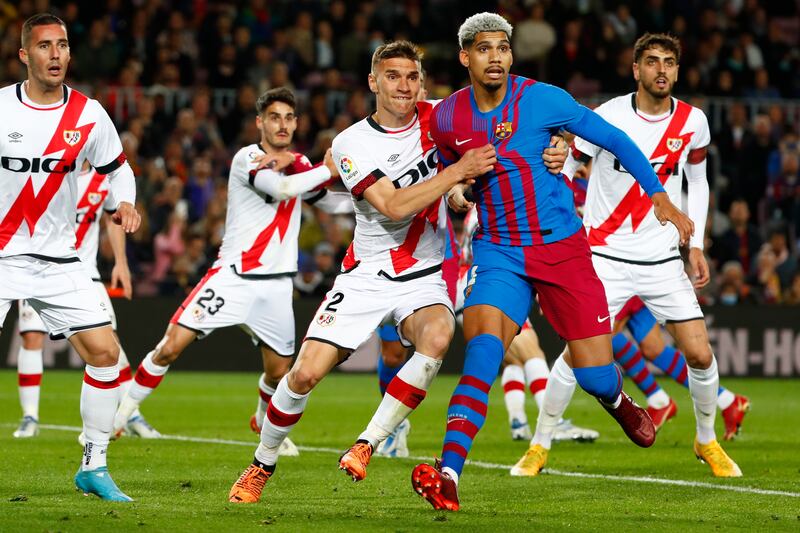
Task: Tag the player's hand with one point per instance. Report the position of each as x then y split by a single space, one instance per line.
556 154
276 162
457 200
121 275
127 217
477 162
699 265
666 211
330 163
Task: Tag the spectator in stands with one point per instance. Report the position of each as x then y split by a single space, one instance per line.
765 280
784 260
732 286
741 241
533 38
792 295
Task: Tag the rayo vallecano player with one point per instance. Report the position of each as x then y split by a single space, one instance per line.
48 128
635 255
392 270
94 199
250 283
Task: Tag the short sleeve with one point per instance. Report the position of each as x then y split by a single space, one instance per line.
104 149
356 166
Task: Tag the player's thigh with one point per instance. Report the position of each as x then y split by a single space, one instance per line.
275 365
221 299
271 316
430 329
352 309
590 351
667 291
497 303
315 361
96 346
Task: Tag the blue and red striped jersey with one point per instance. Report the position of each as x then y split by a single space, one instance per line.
520 203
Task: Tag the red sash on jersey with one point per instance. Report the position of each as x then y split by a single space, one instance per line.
28 206
251 258
635 203
402 256
92 193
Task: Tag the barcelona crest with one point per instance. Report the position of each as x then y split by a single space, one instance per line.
72 137
673 144
503 130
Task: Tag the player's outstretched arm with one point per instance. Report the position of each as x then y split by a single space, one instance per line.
398 204
283 187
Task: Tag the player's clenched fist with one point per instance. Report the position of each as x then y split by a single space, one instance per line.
477 161
127 217
666 211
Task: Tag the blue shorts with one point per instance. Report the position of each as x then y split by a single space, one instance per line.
571 295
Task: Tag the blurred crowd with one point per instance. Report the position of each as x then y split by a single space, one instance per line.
180 78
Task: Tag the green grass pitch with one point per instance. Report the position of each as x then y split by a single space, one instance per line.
183 485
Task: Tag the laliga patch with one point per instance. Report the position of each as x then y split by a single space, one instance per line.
326 319
72 137
198 313
673 144
503 130
348 168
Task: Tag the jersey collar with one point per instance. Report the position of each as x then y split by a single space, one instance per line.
20 97
636 109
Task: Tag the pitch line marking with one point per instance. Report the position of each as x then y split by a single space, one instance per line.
485 465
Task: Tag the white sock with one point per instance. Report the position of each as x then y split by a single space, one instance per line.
725 399
513 381
536 375
29 372
658 400
560 387
147 378
453 473
99 397
403 395
125 378
265 393
283 412
703 386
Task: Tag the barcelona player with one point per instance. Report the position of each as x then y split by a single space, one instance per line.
530 241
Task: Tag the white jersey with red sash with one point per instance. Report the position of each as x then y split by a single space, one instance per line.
93 199
618 215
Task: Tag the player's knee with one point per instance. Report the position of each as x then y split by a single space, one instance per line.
651 349
699 356
166 352
103 355
436 337
303 379
275 372
602 382
393 353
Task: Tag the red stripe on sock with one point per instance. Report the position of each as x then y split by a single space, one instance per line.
89 380
464 426
674 363
476 405
264 396
651 389
538 385
146 379
513 385
472 381
642 375
409 395
455 448
279 418
125 374
633 361
682 376
30 380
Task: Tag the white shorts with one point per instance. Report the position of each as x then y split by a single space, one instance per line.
60 293
262 307
664 288
29 320
358 303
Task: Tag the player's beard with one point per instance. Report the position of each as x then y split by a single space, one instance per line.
656 92
279 142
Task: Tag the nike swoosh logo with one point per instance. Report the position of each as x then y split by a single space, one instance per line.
601 320
459 143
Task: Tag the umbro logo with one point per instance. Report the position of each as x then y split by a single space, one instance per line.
15 137
393 158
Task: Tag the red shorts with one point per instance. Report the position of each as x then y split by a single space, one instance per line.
631 307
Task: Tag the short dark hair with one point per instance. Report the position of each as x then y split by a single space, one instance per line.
405 49
278 94
665 41
42 19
